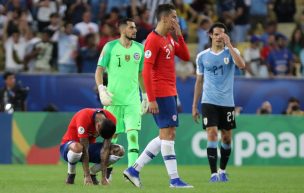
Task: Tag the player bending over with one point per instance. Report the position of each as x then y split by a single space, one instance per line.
79 144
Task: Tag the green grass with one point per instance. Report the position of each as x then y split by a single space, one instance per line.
50 179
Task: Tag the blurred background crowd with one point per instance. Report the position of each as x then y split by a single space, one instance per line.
67 36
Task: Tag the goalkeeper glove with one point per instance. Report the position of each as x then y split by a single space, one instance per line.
104 95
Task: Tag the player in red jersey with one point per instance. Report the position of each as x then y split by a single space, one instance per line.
160 83
79 144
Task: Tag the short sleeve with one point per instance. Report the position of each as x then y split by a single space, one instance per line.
105 56
199 65
82 125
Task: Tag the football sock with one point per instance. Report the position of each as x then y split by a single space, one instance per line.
225 154
133 147
168 153
73 158
152 149
212 155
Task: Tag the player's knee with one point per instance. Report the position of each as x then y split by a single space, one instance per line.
212 136
73 157
76 147
226 140
117 150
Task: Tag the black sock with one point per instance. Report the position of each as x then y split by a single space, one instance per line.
225 154
212 158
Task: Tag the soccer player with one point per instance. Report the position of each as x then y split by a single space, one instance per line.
123 60
79 144
214 80
160 83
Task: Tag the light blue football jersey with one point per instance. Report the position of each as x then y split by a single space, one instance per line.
218 73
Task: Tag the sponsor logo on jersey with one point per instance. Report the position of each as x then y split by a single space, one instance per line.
226 60
81 130
148 53
174 117
127 58
136 56
205 120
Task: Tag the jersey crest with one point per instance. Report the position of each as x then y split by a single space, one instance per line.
127 58
136 56
226 60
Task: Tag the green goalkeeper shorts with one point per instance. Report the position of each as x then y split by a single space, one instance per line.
128 117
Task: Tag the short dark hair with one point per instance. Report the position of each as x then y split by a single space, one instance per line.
7 74
164 9
107 129
124 21
219 25
54 15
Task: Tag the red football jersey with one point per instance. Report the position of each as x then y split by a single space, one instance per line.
82 125
159 68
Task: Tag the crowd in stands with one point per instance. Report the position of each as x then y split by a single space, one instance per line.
67 36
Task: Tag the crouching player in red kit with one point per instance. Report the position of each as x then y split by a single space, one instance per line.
79 144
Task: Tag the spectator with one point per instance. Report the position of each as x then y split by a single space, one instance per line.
266 108
143 26
268 47
296 42
75 10
67 50
98 9
15 52
54 26
43 53
293 107
31 40
252 57
121 5
241 21
44 9
270 29
203 35
3 19
258 13
184 69
285 10
86 26
89 55
107 34
280 59
12 96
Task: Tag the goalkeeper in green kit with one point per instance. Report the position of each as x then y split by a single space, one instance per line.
123 60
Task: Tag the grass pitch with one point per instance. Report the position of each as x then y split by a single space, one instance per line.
50 179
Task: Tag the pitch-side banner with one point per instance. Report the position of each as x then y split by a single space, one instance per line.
258 140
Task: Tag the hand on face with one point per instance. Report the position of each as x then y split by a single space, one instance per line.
175 27
225 38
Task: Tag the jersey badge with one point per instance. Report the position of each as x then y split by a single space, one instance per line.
81 130
174 117
148 53
226 60
136 56
127 58
205 120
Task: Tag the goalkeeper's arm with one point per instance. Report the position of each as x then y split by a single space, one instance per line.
104 95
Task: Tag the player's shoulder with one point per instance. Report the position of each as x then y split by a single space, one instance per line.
111 44
234 48
137 44
152 36
202 53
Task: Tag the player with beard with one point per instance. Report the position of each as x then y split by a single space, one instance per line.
123 60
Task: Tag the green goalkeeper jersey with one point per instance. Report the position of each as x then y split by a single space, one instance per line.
123 66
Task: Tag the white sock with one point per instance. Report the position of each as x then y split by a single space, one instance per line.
151 150
168 153
220 171
95 168
73 158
